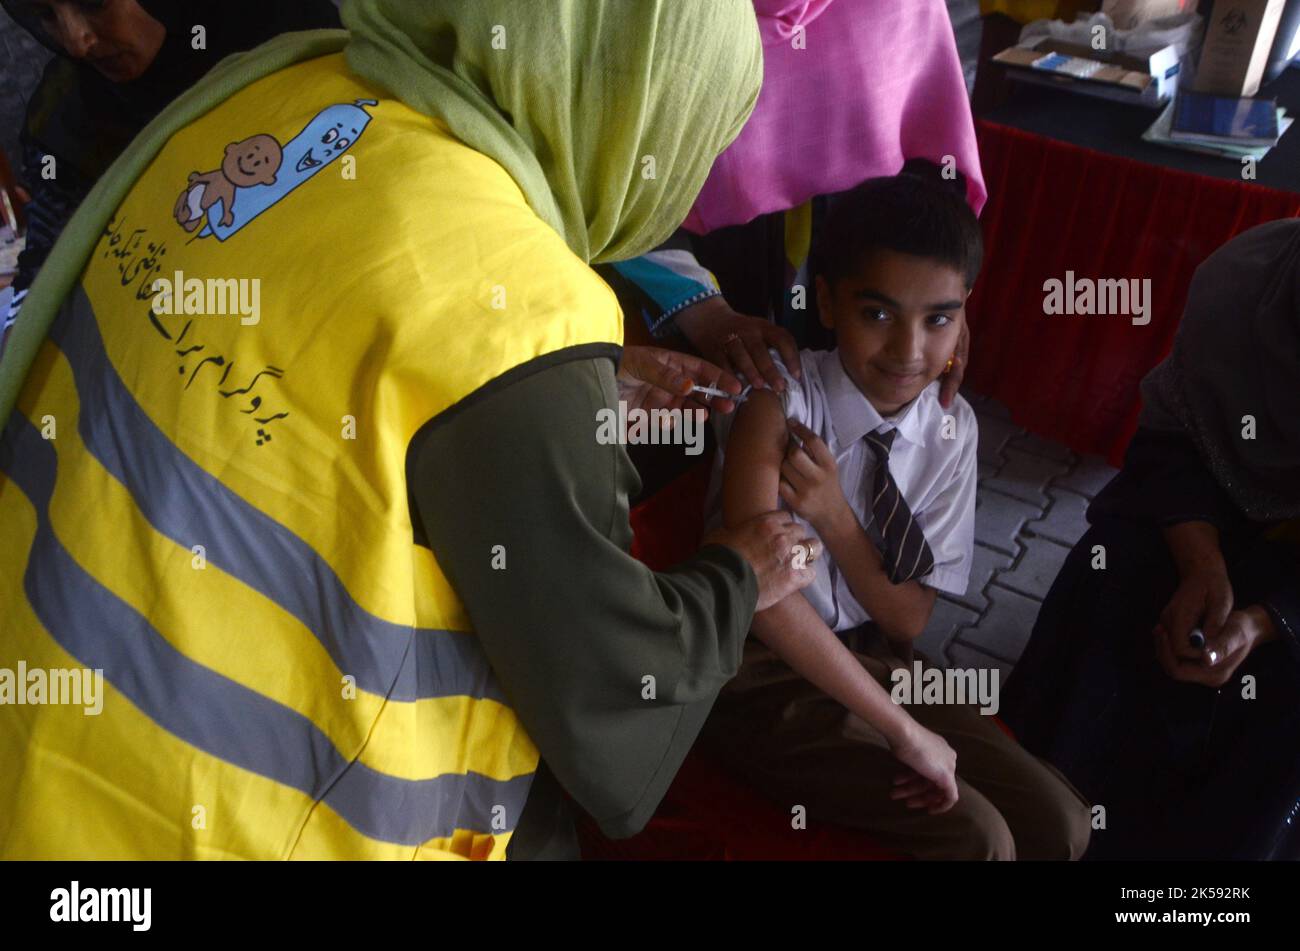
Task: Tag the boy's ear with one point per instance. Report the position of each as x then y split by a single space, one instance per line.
825 312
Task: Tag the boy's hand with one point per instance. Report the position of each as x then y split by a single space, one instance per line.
810 482
930 781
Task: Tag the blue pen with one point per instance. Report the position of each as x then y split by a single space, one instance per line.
1197 639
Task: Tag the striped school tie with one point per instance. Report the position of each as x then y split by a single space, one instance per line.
906 553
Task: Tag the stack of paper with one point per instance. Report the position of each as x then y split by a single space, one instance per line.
1161 133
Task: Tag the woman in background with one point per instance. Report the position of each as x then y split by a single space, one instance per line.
118 63
1193 751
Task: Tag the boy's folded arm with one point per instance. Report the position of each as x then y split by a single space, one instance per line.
751 476
792 628
901 611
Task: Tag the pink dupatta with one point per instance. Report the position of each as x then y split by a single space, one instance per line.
851 89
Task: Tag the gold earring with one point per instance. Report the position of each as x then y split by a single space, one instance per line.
948 368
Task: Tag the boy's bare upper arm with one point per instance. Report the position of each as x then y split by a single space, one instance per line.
755 449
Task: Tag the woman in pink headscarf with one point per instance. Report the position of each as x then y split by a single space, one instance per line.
852 89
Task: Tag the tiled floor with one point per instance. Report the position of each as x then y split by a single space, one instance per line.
1029 512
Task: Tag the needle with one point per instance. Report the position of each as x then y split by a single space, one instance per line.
709 391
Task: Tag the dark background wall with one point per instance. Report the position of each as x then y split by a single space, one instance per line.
21 62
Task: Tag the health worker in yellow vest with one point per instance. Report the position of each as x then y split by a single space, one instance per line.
311 546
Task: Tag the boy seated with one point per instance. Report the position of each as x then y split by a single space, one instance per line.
861 451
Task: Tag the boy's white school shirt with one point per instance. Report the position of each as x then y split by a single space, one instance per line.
933 461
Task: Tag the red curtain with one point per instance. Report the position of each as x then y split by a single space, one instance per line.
1055 207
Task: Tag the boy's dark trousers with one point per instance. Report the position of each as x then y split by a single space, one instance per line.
797 746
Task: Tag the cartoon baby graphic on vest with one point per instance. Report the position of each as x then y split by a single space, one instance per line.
257 172
253 161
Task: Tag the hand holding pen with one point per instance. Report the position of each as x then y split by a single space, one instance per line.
1214 659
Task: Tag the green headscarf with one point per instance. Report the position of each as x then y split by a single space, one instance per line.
582 93
580 101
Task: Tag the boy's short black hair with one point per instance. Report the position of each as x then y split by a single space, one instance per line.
915 212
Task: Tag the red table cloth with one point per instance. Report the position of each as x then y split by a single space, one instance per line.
1055 208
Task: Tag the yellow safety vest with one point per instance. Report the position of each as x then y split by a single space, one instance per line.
203 494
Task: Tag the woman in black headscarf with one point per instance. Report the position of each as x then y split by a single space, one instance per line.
119 63
1163 675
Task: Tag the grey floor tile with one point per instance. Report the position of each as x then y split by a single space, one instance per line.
1026 476
994 433
1037 568
1064 522
961 654
1005 628
999 518
1042 447
1087 477
986 562
945 621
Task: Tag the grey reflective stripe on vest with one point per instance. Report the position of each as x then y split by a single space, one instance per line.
217 714
190 506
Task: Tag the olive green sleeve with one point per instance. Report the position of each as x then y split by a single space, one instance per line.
612 667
